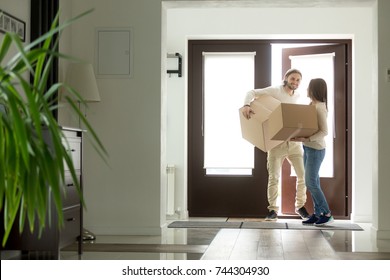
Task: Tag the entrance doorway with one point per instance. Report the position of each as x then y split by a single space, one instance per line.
229 187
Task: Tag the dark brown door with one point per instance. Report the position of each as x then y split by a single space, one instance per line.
220 195
336 188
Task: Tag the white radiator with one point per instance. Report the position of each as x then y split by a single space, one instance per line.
171 189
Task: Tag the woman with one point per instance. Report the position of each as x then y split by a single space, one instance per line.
314 153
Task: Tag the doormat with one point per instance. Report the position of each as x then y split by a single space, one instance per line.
263 225
198 224
337 225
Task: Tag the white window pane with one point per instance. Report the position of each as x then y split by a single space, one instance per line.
320 66
228 76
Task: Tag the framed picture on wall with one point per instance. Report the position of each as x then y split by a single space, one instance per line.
9 23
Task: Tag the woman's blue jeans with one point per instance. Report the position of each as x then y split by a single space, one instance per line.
312 160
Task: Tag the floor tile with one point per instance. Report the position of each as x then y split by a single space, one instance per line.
232 244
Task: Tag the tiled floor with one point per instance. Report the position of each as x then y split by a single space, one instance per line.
234 244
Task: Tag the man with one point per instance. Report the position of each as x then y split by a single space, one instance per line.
292 151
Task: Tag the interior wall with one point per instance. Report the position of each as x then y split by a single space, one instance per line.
122 196
353 22
21 10
381 149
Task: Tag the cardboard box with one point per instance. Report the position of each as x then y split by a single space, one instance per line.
292 120
255 130
275 122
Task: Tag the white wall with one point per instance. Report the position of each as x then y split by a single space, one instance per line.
381 149
123 197
21 10
354 23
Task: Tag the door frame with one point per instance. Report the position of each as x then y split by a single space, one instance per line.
348 44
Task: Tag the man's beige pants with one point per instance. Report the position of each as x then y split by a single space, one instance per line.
293 152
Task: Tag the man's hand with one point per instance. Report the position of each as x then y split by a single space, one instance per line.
247 111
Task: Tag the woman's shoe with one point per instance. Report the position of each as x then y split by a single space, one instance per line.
312 219
324 220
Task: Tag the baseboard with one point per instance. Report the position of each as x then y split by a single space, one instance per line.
381 238
382 234
361 218
125 230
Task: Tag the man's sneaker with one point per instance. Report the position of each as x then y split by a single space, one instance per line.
272 216
312 219
324 220
303 213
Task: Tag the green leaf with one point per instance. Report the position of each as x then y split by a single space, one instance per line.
33 149
5 46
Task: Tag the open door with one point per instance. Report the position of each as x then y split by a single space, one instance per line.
330 62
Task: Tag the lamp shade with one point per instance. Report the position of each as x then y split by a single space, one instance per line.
81 77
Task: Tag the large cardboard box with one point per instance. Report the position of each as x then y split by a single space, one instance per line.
275 122
255 130
292 120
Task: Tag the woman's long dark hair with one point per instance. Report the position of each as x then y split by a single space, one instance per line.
318 90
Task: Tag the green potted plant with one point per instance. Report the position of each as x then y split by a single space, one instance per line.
31 170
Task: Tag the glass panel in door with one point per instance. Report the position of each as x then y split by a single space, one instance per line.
227 77
320 66
227 176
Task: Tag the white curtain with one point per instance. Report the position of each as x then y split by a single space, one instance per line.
320 66
227 78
